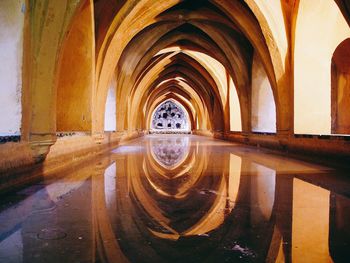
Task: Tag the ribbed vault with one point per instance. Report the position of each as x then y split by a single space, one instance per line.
183 50
218 58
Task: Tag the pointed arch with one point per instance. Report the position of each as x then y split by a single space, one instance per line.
170 116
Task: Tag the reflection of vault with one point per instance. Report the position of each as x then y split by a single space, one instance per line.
207 195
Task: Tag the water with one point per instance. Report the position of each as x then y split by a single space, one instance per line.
181 198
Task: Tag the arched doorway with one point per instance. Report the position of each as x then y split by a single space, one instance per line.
340 83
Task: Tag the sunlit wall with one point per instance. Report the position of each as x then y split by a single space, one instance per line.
235 109
263 104
319 29
11 49
110 111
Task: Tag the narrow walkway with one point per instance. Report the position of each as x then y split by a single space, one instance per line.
181 198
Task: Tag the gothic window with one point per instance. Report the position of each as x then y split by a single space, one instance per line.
170 116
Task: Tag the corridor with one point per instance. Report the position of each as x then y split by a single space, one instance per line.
181 198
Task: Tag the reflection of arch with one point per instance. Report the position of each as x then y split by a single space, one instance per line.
340 88
180 191
170 116
157 175
208 212
339 230
108 251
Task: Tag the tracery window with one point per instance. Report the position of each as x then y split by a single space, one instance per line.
170 116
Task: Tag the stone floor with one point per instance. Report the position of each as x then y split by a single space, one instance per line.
181 198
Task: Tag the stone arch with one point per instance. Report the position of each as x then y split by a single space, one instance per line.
181 92
193 45
170 67
246 22
75 74
257 29
46 26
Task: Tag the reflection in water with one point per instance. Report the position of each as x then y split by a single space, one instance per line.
181 199
306 230
171 151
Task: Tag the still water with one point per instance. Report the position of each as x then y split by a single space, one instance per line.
181 198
